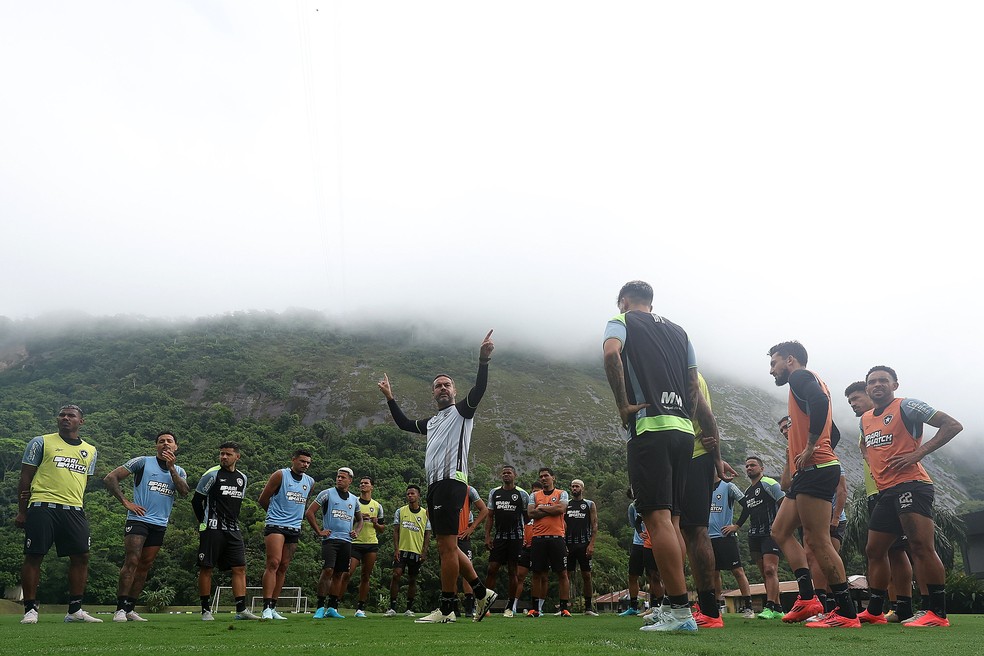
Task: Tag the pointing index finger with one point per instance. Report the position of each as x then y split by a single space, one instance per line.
489 335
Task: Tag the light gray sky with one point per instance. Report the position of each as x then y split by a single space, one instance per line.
776 170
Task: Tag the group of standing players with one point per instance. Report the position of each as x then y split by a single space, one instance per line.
674 464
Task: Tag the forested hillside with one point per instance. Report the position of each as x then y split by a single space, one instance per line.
275 383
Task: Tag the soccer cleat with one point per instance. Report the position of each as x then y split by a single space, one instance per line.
590 613
245 614
748 613
705 622
629 612
769 614
917 615
207 616
557 614
483 605
81 616
334 614
320 613
436 617
360 613
409 613
278 616
390 612
119 616
816 618
132 616
892 617
532 613
832 620
508 612
30 617
672 623
267 614
867 618
929 618
802 609
565 613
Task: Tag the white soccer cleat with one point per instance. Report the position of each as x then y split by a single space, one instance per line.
508 613
483 605
410 613
81 616
390 612
246 614
276 615
207 616
30 617
436 617
360 613
119 616
267 614
132 617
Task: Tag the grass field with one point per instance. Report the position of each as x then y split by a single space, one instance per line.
399 636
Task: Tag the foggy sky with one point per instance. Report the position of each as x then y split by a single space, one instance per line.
776 171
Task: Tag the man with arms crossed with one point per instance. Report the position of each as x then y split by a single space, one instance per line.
217 502
446 461
813 472
54 472
341 522
893 447
411 538
365 547
283 497
156 479
549 552
507 504
652 370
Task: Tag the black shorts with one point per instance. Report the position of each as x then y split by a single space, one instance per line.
153 533
221 549
912 497
360 550
66 528
445 500
820 482
658 463
726 554
763 545
409 562
577 554
837 532
641 560
336 555
695 508
465 546
548 553
505 550
525 557
291 535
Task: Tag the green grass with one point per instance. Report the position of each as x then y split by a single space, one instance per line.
399 636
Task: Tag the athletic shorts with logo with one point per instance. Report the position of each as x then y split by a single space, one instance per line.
911 497
336 555
641 560
445 499
221 549
726 553
548 553
695 507
505 550
577 554
65 527
154 533
291 535
409 562
658 463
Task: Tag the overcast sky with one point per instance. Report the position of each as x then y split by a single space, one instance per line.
776 170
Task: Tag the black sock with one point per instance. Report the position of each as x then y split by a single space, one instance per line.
361 606
937 599
708 603
121 604
74 605
393 603
131 603
587 604
206 607
903 607
746 602
448 600
268 603
634 602
30 604
535 604
241 604
679 601
512 600
822 597
478 588
469 603
564 604
845 605
876 602
409 603
455 607
805 583
322 601
333 602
